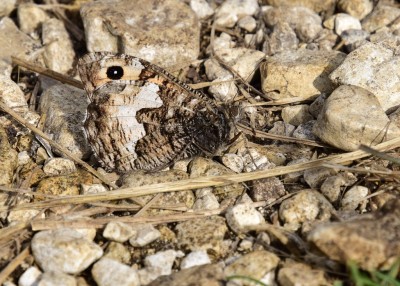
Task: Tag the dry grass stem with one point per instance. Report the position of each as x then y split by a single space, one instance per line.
47 72
203 182
14 264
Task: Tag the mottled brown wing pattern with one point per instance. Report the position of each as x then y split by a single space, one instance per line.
141 117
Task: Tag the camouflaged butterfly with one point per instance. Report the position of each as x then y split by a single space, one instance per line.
141 117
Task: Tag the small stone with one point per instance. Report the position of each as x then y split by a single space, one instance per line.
375 68
64 250
64 185
57 278
248 23
26 49
282 128
301 73
207 201
59 166
331 187
202 234
381 16
195 258
233 162
204 275
254 264
119 231
374 240
283 38
293 176
231 11
23 158
201 8
30 18
353 198
268 190
149 274
6 7
242 60
305 131
297 114
317 105
352 116
93 189
242 217
299 274
108 272
30 277
305 22
163 260
58 53
356 8
315 5
145 234
65 109
344 22
130 27
25 215
305 206
316 176
118 252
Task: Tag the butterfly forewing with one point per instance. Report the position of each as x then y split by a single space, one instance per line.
141 117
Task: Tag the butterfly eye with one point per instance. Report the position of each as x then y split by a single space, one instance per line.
115 72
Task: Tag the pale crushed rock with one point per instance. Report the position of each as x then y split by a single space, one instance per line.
119 231
248 23
93 189
255 264
207 201
381 16
195 258
6 7
306 23
305 131
145 234
163 260
299 274
109 272
356 8
352 116
305 206
331 187
282 128
316 176
30 18
118 26
31 276
297 114
242 217
300 73
205 233
59 166
374 240
354 198
25 215
59 54
118 252
201 8
344 22
375 68
56 279
64 250
231 11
